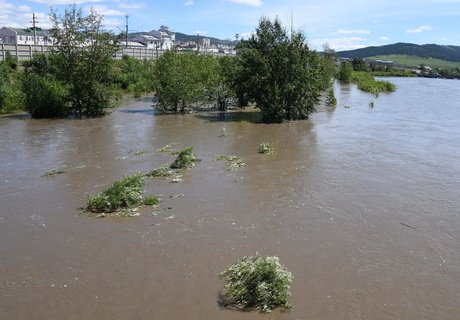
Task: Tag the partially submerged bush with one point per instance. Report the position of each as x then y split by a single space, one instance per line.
258 283
266 148
185 159
331 100
122 194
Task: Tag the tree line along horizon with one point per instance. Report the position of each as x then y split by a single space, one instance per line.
273 70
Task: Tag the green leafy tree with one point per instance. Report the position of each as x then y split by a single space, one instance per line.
84 60
359 64
77 76
11 97
345 72
279 73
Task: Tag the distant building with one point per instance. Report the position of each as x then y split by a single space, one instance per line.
160 40
25 36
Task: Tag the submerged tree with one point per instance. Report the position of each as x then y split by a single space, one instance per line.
279 73
82 63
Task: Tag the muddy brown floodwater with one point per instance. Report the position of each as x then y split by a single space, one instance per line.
361 204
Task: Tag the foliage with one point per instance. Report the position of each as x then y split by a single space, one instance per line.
358 64
330 98
77 76
279 73
185 159
393 73
366 82
122 194
345 71
162 172
134 76
151 201
11 97
45 97
257 282
233 162
179 81
266 148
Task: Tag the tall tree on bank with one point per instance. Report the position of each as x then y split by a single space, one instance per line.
77 75
279 73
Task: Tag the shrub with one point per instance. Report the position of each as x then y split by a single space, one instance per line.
330 98
259 283
45 97
185 159
122 194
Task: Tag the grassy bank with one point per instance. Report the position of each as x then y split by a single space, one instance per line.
413 61
366 82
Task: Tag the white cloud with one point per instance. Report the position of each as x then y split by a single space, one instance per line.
14 16
340 44
252 3
65 2
134 5
383 38
105 10
189 3
419 29
352 31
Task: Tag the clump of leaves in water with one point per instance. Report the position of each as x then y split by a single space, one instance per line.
257 283
185 159
169 148
55 172
266 148
123 194
233 162
162 172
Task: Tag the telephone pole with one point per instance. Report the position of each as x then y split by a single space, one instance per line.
127 16
34 23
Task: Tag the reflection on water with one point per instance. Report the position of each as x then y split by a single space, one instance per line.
360 203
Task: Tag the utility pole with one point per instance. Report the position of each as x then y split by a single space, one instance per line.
127 16
34 22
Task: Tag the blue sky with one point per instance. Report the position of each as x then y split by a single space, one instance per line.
342 24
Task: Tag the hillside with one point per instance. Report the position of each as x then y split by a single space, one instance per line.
185 37
434 51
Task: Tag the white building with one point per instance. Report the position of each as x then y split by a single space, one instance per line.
161 40
25 36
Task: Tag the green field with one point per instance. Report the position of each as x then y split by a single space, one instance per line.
414 61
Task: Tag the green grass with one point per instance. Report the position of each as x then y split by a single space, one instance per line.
414 61
257 283
366 82
123 194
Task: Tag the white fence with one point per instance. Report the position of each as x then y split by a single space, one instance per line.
25 52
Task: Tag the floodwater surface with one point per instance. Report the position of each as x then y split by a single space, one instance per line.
360 203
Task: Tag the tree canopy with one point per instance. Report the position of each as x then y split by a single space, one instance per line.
279 73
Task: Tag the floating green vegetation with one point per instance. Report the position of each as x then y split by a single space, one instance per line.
185 159
56 171
233 162
266 148
257 283
120 197
162 172
169 148
139 153
366 82
151 201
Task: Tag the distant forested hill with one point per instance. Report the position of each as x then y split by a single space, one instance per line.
186 37
448 53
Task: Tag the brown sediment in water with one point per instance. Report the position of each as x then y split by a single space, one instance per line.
333 203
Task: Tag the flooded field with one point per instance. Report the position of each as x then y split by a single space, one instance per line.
360 203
